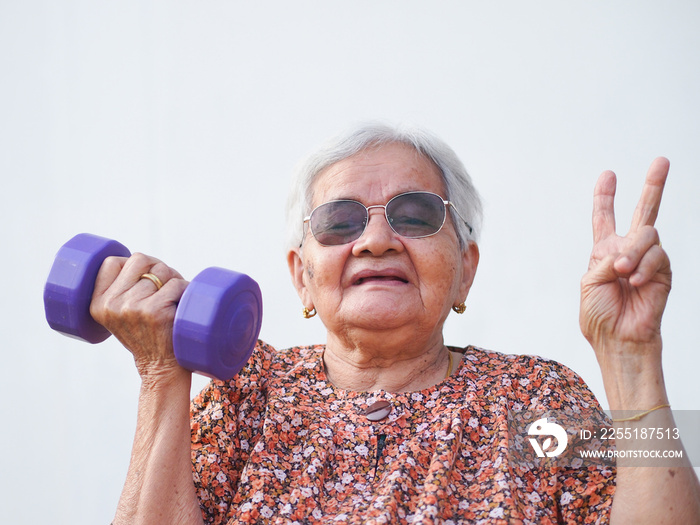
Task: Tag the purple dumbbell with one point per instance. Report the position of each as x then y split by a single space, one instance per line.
217 321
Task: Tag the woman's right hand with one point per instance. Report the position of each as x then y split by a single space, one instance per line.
137 313
159 487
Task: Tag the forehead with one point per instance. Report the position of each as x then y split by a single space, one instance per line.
376 174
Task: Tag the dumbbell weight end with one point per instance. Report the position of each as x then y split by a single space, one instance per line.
217 323
71 283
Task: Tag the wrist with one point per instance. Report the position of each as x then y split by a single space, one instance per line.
168 383
162 373
632 376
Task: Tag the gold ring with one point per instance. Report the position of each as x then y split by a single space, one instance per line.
154 279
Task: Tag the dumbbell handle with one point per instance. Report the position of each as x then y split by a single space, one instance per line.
217 321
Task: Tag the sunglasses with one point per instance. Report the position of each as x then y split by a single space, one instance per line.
412 215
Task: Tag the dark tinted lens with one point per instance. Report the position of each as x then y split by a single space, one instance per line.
338 222
416 214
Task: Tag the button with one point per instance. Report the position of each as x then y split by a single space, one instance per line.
378 410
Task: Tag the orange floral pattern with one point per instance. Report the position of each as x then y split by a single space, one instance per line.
280 444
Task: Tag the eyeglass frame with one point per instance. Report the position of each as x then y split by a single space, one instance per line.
445 203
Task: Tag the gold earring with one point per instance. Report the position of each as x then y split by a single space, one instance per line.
308 314
460 308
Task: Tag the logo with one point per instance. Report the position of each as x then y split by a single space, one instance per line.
542 428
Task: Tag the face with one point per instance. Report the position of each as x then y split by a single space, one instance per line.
382 281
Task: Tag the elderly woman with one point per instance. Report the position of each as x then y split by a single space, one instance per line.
384 423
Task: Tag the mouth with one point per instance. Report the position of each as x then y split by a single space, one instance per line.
379 277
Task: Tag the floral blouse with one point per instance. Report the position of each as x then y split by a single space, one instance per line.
280 444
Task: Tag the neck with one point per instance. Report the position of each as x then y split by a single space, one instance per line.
380 365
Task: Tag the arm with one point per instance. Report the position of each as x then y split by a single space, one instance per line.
623 296
159 487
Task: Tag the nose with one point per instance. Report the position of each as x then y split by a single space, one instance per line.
378 237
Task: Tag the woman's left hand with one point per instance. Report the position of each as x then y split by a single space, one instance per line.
623 296
624 292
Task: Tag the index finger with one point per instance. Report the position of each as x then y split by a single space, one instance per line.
108 273
648 206
604 206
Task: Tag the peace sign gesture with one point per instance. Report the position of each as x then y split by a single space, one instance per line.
624 292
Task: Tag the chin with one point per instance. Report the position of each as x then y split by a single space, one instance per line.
384 316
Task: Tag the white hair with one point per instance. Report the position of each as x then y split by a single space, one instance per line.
458 184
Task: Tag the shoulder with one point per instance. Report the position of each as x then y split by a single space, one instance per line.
264 365
284 362
529 380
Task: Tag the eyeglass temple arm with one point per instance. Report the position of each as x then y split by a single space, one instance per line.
448 203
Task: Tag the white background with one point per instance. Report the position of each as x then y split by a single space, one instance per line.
173 127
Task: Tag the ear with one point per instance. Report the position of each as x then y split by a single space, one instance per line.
470 261
297 272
